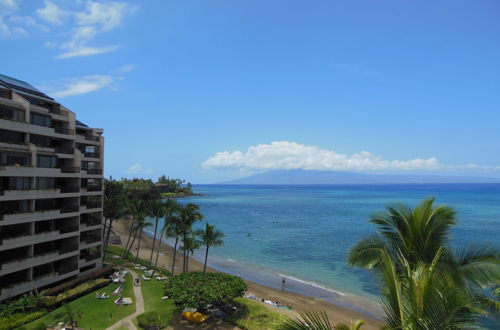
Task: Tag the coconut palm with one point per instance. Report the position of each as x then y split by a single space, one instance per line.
210 237
114 207
189 214
190 243
135 208
410 252
140 225
174 230
171 208
156 209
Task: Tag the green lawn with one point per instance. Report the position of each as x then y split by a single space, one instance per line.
254 316
95 312
152 292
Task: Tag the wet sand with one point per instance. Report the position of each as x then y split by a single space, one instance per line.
336 313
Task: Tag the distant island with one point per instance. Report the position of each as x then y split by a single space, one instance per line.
277 177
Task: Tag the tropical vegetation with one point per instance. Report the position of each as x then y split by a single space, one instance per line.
199 290
426 283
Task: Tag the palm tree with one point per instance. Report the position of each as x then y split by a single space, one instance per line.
135 208
210 237
141 224
174 230
190 244
410 252
156 209
114 207
188 216
171 208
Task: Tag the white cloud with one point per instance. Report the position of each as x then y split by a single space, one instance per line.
52 13
126 68
290 155
106 15
138 169
27 21
7 8
95 19
84 85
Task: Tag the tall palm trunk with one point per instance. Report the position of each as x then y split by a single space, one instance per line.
157 254
131 244
154 241
139 243
184 254
206 258
106 240
128 240
175 252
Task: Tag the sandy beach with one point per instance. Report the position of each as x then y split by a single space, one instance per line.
299 302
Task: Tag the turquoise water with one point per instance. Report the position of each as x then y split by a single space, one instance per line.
305 232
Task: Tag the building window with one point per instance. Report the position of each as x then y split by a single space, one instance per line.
45 183
40 120
14 159
46 161
11 114
40 140
15 183
11 136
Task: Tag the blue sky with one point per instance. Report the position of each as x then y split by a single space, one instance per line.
214 90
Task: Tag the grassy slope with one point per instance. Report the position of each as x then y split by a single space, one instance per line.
95 312
254 316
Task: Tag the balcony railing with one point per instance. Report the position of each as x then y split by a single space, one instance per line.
67 249
64 150
69 209
67 269
94 205
70 169
92 154
94 171
64 130
96 187
70 189
90 137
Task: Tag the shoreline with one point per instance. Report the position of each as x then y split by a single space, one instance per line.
338 312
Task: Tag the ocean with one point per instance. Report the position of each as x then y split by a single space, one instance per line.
303 233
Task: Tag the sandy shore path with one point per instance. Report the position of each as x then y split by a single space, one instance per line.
299 302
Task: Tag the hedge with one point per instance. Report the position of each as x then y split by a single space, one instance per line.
18 319
75 293
103 272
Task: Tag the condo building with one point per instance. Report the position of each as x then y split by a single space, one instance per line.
51 191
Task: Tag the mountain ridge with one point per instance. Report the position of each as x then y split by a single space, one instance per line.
277 177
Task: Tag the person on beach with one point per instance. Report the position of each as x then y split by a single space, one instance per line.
283 284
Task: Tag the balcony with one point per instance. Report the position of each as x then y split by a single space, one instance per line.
70 209
96 187
92 154
94 171
70 189
64 130
64 150
68 249
70 169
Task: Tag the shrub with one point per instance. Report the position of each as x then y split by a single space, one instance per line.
103 272
17 319
199 290
22 304
152 321
76 292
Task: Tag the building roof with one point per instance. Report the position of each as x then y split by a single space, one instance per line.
21 86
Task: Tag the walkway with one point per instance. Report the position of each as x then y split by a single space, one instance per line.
139 308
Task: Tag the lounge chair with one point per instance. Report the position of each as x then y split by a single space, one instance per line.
126 301
145 278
